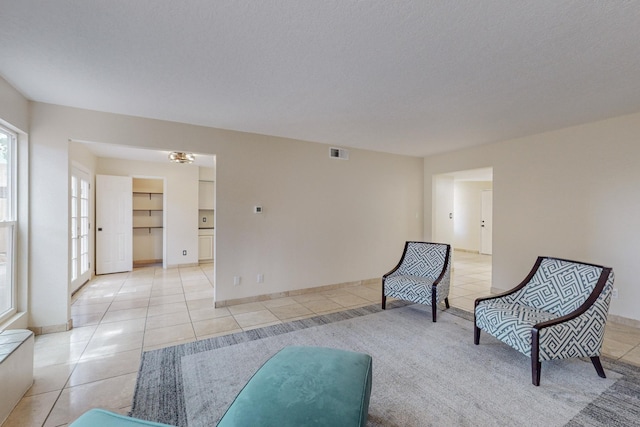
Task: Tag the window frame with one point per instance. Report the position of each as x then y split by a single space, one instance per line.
11 222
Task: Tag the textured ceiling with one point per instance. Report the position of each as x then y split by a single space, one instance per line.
413 77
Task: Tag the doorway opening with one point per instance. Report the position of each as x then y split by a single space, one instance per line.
462 210
148 221
176 222
462 216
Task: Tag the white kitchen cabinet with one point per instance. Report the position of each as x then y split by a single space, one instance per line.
205 245
206 194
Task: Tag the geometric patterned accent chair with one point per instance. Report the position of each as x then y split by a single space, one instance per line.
422 276
559 311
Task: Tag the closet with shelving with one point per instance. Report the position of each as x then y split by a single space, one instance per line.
148 220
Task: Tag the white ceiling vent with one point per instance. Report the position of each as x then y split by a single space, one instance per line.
339 153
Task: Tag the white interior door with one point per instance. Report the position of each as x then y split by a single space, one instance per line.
487 223
80 225
114 247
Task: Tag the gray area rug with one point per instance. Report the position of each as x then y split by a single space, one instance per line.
424 374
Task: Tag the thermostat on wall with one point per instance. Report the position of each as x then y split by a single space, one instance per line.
257 209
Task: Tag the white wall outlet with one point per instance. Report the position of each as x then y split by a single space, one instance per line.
257 209
236 280
260 278
614 293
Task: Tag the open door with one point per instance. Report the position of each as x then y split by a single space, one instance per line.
114 248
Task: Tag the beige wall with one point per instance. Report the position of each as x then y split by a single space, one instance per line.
325 221
14 108
571 193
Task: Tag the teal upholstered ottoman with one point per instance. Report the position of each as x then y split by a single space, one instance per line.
102 418
305 386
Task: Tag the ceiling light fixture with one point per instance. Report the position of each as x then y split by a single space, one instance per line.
180 157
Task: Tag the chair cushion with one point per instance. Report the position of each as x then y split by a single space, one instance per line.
409 288
511 323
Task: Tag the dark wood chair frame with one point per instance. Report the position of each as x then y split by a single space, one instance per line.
435 283
535 330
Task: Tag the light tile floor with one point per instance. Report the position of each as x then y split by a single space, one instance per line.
119 316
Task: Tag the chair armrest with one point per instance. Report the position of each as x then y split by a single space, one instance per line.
384 276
